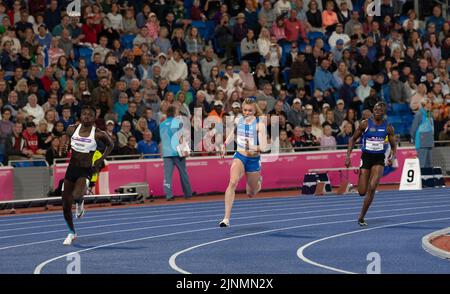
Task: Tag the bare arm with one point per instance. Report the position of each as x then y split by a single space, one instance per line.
65 139
351 143
106 139
391 139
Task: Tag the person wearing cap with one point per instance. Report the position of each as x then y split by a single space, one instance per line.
217 110
296 115
236 111
338 34
339 112
240 29
129 75
152 26
308 139
338 51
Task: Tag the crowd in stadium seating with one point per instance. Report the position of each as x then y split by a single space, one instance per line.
319 65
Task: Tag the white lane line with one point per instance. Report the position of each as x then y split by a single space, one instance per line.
301 250
391 204
39 268
242 202
245 217
238 211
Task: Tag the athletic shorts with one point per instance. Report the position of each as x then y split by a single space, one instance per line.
73 173
371 159
251 164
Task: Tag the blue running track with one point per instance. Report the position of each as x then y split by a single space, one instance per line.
271 235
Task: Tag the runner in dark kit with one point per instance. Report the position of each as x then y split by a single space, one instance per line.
374 131
82 139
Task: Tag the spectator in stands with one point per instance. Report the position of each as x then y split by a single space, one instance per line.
329 18
15 144
397 89
422 133
371 100
285 144
6 127
327 141
131 116
308 139
44 136
436 18
444 135
294 28
124 134
66 117
58 129
323 78
147 146
314 16
296 139
316 126
300 72
31 141
345 135
267 13
33 109
130 147
224 37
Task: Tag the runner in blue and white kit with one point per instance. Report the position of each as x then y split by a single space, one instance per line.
247 158
373 132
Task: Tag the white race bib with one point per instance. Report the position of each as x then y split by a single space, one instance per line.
374 145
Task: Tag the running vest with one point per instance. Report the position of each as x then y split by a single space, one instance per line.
83 144
374 137
247 133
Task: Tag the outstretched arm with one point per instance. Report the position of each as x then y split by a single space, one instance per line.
353 140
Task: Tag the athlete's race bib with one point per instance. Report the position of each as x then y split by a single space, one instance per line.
373 144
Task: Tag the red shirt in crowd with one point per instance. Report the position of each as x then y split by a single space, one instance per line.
292 30
31 141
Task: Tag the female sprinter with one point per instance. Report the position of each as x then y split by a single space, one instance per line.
374 132
82 139
251 140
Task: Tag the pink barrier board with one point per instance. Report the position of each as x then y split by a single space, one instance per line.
211 174
6 183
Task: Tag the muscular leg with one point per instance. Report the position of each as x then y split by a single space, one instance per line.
67 198
253 183
236 173
375 175
80 189
363 181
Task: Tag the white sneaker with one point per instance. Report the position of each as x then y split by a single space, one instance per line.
224 223
70 238
79 209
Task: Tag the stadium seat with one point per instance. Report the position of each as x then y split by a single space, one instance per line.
400 108
173 88
238 54
312 36
395 119
127 41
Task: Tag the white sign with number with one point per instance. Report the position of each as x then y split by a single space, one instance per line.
411 177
